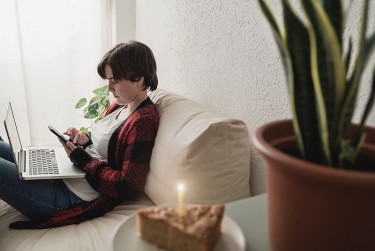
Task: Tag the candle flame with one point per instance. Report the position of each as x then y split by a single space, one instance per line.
181 187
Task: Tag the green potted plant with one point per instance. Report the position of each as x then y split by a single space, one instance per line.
320 166
96 108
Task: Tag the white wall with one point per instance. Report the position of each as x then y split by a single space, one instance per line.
123 20
220 53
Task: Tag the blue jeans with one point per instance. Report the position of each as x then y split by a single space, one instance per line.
34 198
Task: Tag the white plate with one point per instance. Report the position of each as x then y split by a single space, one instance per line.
127 238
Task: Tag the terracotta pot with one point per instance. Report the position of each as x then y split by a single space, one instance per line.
315 207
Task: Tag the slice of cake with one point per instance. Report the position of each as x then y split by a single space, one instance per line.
197 230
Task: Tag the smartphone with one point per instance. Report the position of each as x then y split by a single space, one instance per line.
54 131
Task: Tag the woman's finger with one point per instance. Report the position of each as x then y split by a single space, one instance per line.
68 131
66 148
77 138
71 145
71 131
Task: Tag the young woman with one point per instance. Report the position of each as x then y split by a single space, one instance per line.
116 157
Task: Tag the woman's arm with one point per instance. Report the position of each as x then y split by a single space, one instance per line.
137 140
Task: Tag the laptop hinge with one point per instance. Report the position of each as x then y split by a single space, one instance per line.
22 160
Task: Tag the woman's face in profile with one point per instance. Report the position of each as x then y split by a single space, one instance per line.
124 91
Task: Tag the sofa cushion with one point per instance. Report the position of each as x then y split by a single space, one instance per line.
94 235
206 151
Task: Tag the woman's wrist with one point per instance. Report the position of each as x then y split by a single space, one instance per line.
80 157
88 142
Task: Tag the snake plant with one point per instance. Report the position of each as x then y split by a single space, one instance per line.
323 79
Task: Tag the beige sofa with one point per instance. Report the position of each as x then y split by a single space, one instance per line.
206 151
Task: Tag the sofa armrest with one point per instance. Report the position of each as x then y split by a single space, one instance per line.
205 150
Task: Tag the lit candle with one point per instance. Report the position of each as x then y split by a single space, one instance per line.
180 200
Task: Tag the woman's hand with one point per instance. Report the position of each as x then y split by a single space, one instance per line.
76 136
68 147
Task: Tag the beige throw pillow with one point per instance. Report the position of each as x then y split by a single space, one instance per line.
206 151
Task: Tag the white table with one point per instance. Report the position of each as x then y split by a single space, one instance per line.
251 215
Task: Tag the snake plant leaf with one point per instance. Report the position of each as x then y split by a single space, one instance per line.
363 30
331 70
349 152
348 155
368 49
312 54
365 47
270 17
334 10
348 56
285 57
288 70
302 89
370 103
353 83
328 73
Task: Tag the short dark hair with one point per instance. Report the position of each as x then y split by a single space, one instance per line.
131 61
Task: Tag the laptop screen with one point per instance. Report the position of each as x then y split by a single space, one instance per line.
11 128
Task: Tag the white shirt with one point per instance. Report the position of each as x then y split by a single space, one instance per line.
101 132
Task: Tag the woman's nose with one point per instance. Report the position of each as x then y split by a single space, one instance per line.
110 87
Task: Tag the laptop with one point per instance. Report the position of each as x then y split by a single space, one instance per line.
36 163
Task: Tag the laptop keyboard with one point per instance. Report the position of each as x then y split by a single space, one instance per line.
42 161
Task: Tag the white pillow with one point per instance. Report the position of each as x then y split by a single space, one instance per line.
206 151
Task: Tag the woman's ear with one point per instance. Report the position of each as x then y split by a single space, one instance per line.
140 82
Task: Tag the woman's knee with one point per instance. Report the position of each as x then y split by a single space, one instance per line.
6 152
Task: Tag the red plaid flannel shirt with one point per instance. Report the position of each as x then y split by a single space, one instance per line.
123 177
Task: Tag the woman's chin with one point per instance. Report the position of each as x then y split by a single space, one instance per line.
119 101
